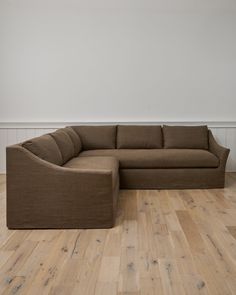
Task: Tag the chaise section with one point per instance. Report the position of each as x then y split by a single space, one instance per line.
44 195
159 158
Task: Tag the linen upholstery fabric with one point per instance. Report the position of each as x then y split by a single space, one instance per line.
185 137
221 152
182 178
159 158
97 137
64 143
98 163
75 139
45 148
83 192
139 137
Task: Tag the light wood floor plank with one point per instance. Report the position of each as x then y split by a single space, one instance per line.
165 242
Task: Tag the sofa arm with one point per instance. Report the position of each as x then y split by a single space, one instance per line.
44 195
218 150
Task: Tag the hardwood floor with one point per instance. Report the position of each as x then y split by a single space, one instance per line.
165 242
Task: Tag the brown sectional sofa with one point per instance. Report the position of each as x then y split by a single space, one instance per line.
71 178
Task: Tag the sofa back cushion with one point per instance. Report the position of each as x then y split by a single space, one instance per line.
139 137
45 148
75 139
97 137
65 144
189 137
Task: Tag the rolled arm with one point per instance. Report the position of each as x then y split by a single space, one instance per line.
219 151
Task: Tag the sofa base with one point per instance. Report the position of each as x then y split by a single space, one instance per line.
91 218
202 178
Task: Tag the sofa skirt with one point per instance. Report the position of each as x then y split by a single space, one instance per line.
202 178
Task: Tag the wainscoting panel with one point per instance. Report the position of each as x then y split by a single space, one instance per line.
11 133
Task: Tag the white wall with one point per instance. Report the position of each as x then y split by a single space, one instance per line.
117 60
123 60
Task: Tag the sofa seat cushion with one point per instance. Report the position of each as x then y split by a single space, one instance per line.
159 158
96 163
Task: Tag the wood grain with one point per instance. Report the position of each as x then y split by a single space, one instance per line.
164 242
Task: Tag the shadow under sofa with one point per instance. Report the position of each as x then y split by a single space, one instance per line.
71 178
